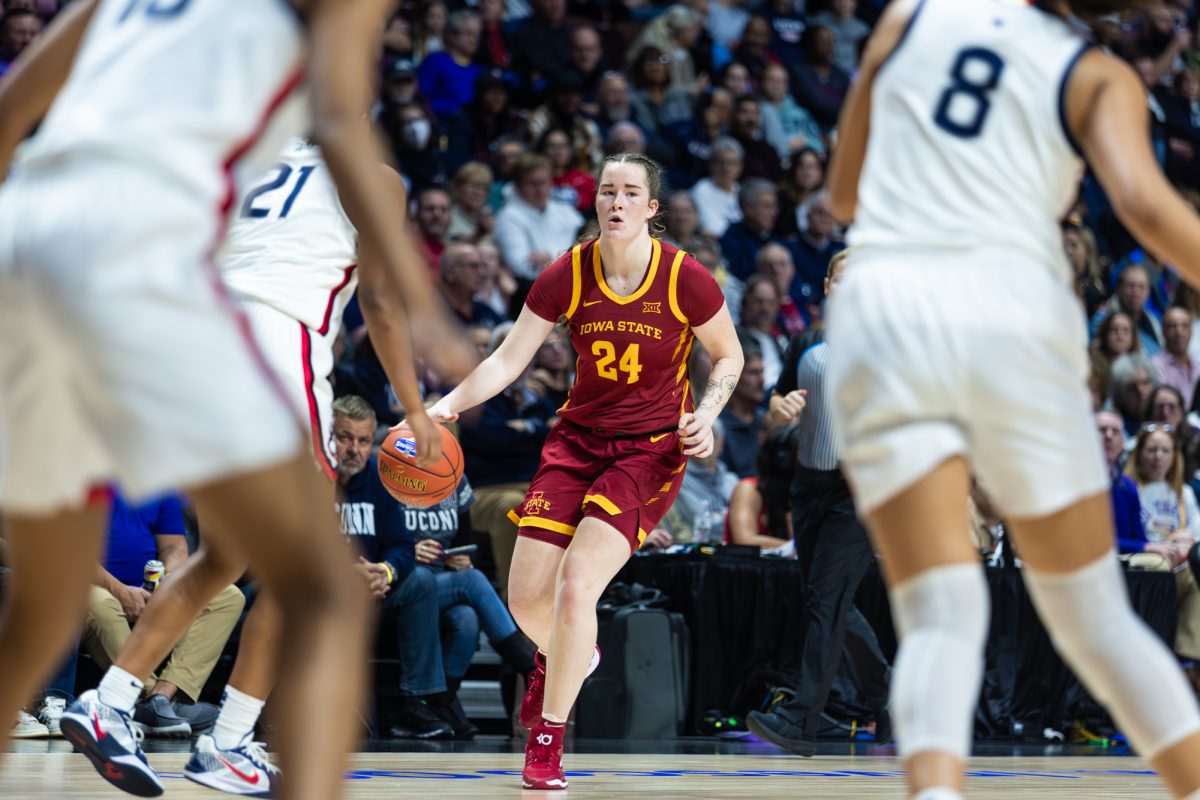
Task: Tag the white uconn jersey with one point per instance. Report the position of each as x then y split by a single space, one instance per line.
968 146
290 245
183 86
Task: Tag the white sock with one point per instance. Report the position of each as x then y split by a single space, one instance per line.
239 713
938 793
119 689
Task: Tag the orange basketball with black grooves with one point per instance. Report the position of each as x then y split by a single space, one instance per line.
419 487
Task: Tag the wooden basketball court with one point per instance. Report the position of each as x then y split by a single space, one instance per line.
56 773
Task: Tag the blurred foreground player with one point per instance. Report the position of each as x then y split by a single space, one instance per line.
957 346
613 465
119 338
291 260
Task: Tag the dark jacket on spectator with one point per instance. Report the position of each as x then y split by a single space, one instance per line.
374 521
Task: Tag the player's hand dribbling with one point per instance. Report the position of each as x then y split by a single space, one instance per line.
695 431
440 412
426 435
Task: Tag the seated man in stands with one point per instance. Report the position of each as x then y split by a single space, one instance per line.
373 520
466 598
154 531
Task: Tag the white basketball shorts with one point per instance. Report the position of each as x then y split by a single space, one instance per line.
123 361
945 355
302 359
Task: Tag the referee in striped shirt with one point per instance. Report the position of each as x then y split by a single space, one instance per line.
833 550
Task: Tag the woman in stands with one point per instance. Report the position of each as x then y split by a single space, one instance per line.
612 466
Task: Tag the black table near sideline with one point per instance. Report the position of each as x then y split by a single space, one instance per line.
747 626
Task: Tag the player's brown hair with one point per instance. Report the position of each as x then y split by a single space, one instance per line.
654 184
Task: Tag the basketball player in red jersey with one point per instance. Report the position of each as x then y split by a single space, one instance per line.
614 463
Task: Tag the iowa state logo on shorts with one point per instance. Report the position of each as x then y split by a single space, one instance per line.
536 504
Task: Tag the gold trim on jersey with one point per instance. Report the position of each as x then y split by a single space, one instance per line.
545 524
647 282
672 287
576 279
608 505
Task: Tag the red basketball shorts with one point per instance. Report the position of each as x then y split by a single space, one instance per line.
628 483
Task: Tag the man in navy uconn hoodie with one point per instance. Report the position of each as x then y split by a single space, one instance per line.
374 522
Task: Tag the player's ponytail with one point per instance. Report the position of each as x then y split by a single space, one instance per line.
654 185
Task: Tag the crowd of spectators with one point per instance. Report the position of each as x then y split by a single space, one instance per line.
497 114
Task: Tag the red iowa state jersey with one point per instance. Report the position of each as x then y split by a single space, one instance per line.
631 374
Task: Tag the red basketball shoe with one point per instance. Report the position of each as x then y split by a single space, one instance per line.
543 757
535 691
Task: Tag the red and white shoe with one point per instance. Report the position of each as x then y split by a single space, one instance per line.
543 757
535 691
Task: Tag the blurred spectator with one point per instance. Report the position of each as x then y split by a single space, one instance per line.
533 229
716 197
462 274
563 110
753 48
470 214
813 250
709 255
18 28
703 502
802 181
760 159
848 33
587 59
760 307
1133 290
625 137
571 184
1084 257
787 126
433 221
787 28
373 521
552 370
758 509
430 33
674 32
758 202
136 534
742 418
448 76
1127 508
499 285
817 83
492 50
476 133
657 105
466 599
1132 380
1175 367
683 223
1114 338
775 262
502 446
418 154
725 22
539 43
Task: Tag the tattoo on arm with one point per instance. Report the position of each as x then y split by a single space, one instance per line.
718 391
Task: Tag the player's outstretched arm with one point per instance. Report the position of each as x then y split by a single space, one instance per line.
387 324
38 75
499 369
1107 110
720 340
854 122
342 37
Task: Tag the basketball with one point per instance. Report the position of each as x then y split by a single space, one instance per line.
419 487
